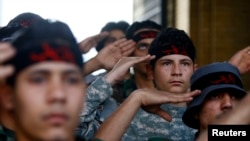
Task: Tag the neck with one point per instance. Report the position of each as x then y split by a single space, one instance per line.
21 136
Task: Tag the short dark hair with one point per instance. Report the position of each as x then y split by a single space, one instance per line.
121 25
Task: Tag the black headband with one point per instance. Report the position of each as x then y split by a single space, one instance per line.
44 41
145 34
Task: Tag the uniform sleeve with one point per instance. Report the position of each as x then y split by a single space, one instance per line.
99 91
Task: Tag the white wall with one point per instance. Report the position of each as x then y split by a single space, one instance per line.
84 17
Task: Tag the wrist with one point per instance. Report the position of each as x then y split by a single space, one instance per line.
96 64
110 78
137 98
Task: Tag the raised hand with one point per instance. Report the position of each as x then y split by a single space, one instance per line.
241 60
119 71
91 41
152 99
113 52
6 52
148 99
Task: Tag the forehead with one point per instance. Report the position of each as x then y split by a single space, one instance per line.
53 66
116 32
175 57
145 41
145 29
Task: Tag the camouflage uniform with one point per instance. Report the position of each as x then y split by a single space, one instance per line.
145 126
98 106
101 101
6 134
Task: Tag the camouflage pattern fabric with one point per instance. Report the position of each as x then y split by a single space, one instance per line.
146 126
98 106
6 134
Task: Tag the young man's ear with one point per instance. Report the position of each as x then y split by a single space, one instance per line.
195 67
149 69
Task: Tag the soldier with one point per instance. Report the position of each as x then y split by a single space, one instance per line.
151 100
222 89
47 85
101 99
170 71
21 21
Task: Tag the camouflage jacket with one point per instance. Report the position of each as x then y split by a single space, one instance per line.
145 126
98 106
6 134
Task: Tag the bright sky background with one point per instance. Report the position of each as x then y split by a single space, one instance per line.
84 17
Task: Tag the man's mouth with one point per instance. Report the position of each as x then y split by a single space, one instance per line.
56 118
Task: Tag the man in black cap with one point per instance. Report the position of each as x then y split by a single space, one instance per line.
170 70
171 48
221 90
47 84
21 21
101 101
111 37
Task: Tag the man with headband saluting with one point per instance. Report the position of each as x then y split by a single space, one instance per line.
100 101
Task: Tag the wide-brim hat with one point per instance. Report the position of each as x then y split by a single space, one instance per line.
208 79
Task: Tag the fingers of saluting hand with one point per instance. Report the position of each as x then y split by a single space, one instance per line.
118 42
134 60
91 41
5 72
173 98
127 47
101 36
6 52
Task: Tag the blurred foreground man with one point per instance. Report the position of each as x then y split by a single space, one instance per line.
47 84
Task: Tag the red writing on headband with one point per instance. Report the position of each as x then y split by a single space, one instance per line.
49 53
224 79
148 34
174 50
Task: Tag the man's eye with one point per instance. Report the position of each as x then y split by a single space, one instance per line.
186 63
236 97
214 97
166 63
142 47
73 80
37 80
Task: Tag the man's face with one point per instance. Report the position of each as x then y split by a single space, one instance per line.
113 36
172 73
48 99
215 105
141 49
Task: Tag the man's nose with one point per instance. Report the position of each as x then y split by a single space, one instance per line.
56 91
227 102
176 70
